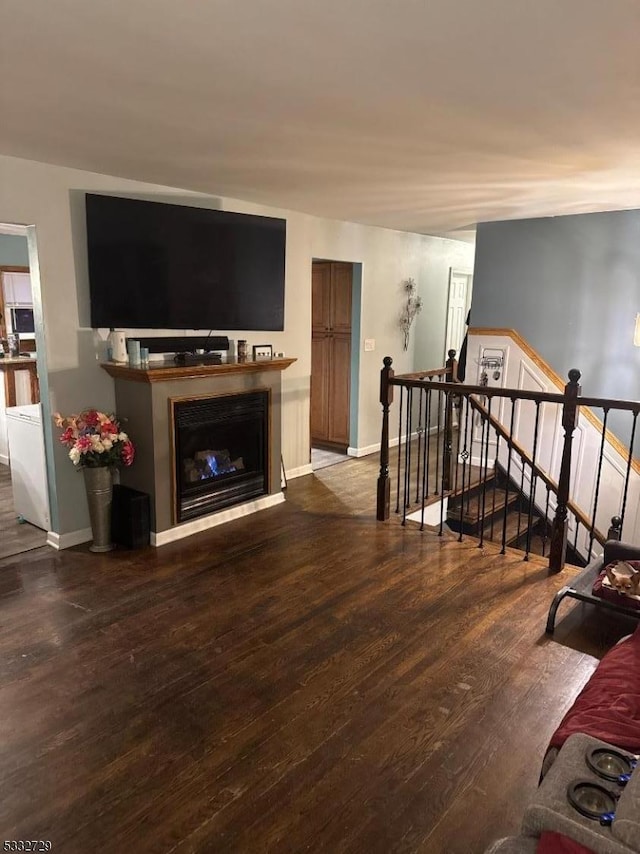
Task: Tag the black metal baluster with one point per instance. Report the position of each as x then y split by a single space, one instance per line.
506 491
486 465
532 484
419 444
439 440
428 427
545 523
520 497
425 458
495 485
628 474
597 495
470 472
465 456
399 450
407 456
447 415
456 455
480 467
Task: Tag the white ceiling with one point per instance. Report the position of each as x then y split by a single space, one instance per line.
420 115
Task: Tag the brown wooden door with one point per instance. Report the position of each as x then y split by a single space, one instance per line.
339 384
341 278
330 352
321 296
320 373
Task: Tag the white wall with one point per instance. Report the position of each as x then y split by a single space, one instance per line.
51 199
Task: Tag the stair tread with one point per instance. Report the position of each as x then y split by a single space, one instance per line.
512 534
472 510
473 479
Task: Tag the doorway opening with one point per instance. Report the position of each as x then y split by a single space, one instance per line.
458 304
334 294
24 497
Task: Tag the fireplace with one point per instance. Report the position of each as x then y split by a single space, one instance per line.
177 412
221 451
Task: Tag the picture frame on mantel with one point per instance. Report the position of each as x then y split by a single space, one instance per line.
262 351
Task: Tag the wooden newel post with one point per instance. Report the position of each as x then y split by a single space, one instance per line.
452 367
386 399
570 409
615 531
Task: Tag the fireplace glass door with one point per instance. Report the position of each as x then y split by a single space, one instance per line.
221 452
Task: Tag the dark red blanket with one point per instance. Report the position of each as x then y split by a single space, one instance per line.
556 843
608 707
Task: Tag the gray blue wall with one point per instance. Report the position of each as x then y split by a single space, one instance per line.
13 251
570 286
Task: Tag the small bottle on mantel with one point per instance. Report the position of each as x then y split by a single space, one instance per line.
243 350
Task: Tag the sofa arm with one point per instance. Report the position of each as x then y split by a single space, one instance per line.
616 550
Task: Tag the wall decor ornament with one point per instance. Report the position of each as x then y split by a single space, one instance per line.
412 307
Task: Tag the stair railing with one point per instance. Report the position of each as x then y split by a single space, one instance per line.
450 434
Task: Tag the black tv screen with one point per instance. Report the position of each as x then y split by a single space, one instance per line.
164 266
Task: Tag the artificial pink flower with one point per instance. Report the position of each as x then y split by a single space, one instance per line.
91 418
84 444
68 437
128 453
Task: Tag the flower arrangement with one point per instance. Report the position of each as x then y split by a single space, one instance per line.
413 307
95 439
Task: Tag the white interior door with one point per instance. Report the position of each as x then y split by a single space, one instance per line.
457 308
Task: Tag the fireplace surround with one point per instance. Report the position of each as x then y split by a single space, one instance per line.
146 399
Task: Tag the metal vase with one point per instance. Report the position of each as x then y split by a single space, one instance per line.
99 487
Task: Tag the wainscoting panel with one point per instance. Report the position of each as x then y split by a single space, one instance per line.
524 369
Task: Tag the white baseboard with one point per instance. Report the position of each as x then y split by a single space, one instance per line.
374 449
4 459
205 522
300 471
364 452
66 541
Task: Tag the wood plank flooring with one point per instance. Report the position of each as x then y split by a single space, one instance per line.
304 679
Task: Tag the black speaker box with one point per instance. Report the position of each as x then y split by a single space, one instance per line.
130 517
184 343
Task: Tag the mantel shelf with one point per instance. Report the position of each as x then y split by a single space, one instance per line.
158 372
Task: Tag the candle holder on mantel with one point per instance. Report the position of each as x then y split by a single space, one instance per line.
243 350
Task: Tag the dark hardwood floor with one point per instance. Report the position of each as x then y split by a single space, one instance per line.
304 679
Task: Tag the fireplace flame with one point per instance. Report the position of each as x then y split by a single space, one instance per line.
208 465
215 469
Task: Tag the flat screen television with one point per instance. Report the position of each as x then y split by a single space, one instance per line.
165 266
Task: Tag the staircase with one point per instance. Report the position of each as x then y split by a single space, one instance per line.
494 509
496 463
